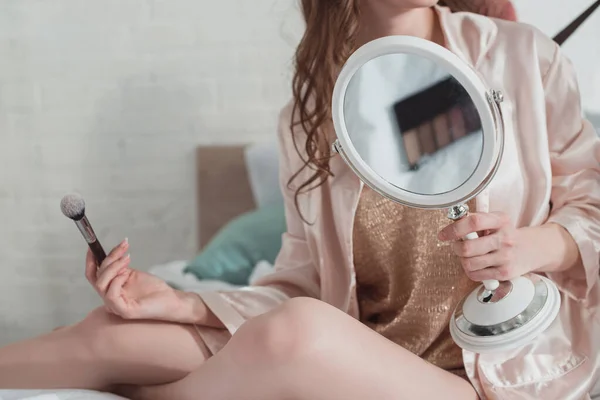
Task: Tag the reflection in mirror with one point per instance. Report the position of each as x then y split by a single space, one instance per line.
413 123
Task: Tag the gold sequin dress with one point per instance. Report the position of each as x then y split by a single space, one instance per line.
408 282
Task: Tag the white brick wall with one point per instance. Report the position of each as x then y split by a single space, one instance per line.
110 99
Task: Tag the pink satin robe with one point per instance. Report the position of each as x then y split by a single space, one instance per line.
551 155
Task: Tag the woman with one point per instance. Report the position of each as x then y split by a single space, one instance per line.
271 341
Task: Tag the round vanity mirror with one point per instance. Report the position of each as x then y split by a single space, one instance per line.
414 126
407 118
419 126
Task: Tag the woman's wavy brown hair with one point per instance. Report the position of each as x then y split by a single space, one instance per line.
328 41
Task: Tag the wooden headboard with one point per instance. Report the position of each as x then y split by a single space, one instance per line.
222 188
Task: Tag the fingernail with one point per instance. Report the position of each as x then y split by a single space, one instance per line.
125 241
442 236
128 256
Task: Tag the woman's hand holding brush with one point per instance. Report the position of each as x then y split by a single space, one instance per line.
133 294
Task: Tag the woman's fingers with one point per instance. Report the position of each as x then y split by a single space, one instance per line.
500 273
478 247
475 222
494 259
90 267
114 299
108 273
116 253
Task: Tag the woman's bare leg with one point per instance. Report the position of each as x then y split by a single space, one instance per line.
307 350
100 351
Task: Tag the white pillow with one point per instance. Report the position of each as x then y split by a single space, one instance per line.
262 162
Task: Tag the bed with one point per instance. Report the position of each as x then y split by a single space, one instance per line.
230 181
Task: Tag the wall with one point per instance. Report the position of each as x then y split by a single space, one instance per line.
109 99
551 16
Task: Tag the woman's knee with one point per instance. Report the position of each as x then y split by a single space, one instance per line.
292 332
96 333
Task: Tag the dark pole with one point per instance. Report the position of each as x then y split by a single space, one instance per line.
563 35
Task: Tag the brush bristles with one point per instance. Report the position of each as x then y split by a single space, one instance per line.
73 206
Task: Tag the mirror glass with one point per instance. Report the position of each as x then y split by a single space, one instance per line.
413 123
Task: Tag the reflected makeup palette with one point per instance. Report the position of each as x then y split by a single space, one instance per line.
434 118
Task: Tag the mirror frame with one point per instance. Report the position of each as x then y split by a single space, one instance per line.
486 102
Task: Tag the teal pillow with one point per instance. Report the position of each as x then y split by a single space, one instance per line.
234 251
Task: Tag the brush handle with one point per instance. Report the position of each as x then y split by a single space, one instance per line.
97 251
490 284
90 237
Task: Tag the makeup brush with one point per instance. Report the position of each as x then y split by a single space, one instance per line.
73 206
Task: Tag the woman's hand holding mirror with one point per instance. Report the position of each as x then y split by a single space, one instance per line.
494 254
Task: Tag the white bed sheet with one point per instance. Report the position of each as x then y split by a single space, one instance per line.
65 394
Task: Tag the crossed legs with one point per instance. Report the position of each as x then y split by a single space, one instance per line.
308 350
304 350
